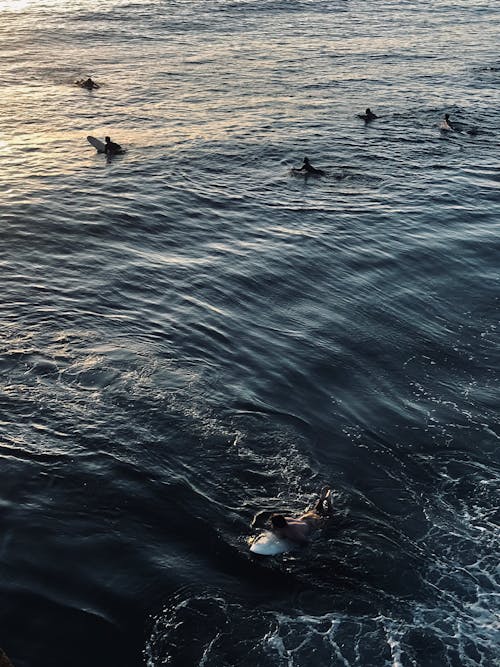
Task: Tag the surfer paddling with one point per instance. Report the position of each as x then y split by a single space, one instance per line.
89 83
308 169
299 529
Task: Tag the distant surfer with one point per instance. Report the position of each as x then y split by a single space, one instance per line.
89 84
308 169
299 529
111 148
447 124
368 115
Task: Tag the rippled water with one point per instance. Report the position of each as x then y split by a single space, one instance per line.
191 334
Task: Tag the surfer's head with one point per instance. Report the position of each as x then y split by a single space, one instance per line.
107 140
447 116
368 111
278 521
306 161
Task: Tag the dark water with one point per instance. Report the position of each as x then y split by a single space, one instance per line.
190 334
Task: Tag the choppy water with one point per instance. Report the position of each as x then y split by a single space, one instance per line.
190 334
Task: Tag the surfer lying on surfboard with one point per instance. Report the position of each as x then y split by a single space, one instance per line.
308 169
89 84
299 529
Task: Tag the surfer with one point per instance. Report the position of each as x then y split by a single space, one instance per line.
368 115
299 529
111 148
87 83
448 122
308 169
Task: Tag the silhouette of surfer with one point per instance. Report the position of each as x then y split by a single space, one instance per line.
368 115
111 148
89 84
308 169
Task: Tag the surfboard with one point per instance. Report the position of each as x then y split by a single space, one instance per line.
267 544
96 143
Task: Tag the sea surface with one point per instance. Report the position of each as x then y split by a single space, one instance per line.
192 334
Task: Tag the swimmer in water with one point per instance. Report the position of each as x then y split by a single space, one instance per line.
368 115
111 148
300 529
308 169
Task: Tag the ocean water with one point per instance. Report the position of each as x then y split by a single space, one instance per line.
191 334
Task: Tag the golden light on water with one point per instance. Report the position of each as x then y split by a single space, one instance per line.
4 146
15 5
20 5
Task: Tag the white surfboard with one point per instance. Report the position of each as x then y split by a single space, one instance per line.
97 144
267 544
444 127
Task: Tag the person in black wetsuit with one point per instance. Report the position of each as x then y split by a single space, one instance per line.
112 148
89 84
368 115
308 169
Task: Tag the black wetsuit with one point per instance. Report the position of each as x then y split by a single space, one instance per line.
309 169
88 84
112 148
368 116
